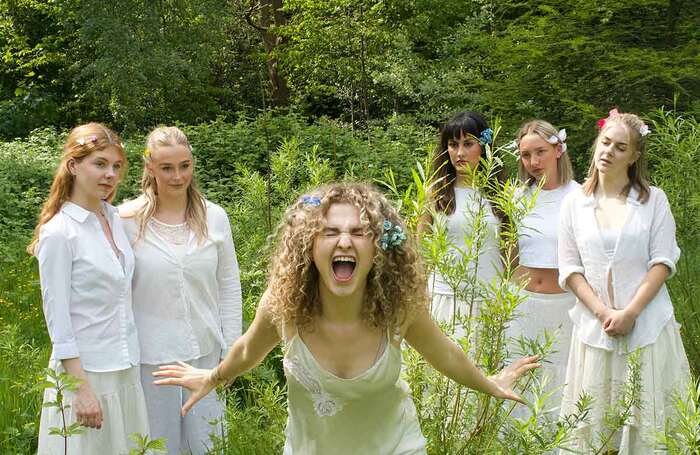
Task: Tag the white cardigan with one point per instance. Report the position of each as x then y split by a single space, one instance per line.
186 306
648 237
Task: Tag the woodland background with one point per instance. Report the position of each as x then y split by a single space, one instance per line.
276 95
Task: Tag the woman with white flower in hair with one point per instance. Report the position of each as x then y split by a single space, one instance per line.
545 170
617 247
187 292
346 287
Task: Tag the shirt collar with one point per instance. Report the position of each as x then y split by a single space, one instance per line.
80 214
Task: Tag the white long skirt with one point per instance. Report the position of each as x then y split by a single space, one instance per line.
537 313
189 434
448 310
123 413
600 373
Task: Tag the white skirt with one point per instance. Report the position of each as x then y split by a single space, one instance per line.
123 413
600 373
537 313
457 315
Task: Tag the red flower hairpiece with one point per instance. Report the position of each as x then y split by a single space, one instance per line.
611 114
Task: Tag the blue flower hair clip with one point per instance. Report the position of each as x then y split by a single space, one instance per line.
486 136
392 237
311 200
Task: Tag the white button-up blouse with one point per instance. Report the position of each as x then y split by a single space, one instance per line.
647 237
186 305
86 292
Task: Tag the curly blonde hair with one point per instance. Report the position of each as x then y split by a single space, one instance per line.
395 284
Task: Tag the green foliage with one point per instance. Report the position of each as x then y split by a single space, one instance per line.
146 446
254 168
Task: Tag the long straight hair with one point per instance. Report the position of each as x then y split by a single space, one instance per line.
195 211
466 123
82 141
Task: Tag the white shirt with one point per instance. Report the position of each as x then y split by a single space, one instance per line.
647 237
86 292
186 305
537 234
485 263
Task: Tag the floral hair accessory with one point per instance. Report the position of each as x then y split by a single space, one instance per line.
611 114
559 138
643 129
392 237
486 136
147 152
84 140
311 200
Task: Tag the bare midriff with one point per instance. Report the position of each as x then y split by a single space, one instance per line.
542 281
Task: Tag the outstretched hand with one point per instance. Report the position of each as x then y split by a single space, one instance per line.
505 378
198 381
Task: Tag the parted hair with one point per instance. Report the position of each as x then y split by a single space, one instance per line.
395 284
545 130
195 212
637 172
80 143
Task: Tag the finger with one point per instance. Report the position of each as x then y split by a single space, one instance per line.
184 365
191 401
169 381
510 395
170 367
525 368
173 373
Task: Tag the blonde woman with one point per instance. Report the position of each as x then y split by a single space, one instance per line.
545 170
617 247
85 268
346 287
187 293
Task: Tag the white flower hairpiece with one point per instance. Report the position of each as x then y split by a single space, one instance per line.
559 138
644 130
85 139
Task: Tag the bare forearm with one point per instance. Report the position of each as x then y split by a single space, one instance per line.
585 293
74 368
463 371
647 290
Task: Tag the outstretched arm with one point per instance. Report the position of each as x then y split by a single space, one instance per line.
424 335
245 354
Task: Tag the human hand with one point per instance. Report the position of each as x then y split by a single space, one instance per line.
604 313
87 408
197 380
505 378
619 323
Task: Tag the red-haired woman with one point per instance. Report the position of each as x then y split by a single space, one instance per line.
85 267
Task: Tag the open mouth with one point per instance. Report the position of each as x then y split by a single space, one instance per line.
343 268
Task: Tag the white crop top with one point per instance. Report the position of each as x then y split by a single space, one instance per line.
537 235
470 206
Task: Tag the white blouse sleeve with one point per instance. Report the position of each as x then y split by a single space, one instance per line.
569 257
663 248
228 278
55 267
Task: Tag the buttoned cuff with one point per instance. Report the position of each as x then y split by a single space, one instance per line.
65 350
566 272
665 261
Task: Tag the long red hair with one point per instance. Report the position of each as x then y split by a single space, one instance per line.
81 142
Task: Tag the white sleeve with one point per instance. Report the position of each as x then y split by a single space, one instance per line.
567 248
663 248
55 267
228 279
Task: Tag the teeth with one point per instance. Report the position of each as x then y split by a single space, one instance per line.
344 259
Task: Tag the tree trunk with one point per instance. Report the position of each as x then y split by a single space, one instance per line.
271 14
